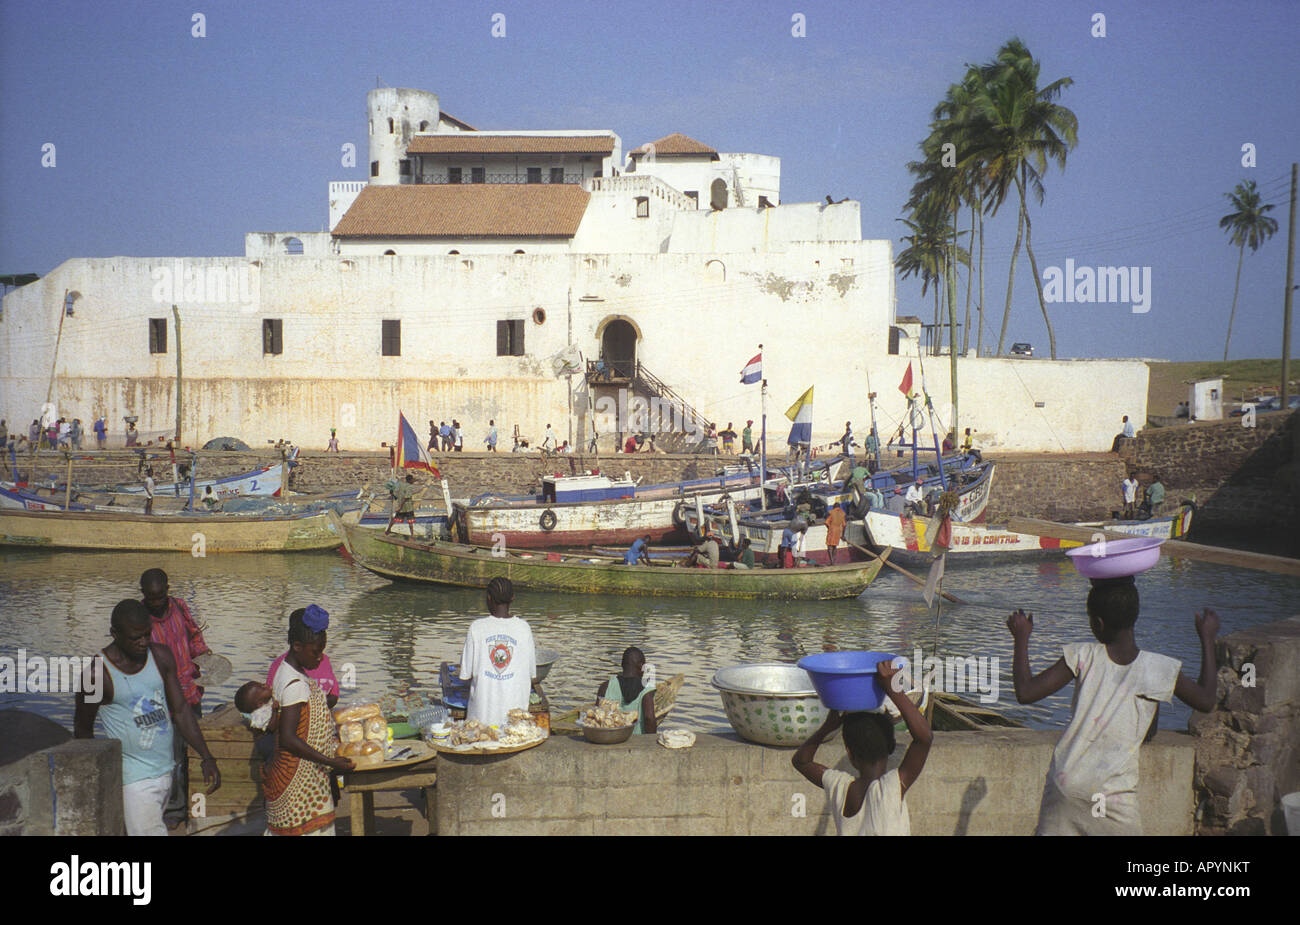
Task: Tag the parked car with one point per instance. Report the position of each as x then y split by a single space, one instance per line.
1271 403
1024 350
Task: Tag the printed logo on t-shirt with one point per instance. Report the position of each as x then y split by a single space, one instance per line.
501 656
151 720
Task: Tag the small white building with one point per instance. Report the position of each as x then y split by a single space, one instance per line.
1205 399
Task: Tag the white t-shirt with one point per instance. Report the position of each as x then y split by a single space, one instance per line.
500 659
1130 490
883 810
1113 708
914 495
290 685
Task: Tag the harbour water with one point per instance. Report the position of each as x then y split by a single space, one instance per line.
58 604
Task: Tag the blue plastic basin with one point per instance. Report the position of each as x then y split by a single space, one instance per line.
846 680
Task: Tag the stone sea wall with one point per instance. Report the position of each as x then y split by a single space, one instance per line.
1242 477
1248 749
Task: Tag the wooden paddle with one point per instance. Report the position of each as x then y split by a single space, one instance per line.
898 568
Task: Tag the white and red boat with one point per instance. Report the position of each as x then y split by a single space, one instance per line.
911 538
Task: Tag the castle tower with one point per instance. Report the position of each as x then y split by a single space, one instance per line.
395 114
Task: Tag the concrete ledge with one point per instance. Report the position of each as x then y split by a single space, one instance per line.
977 783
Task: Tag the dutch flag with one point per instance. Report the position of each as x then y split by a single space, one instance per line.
753 371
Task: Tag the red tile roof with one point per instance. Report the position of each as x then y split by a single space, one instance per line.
676 144
552 210
487 143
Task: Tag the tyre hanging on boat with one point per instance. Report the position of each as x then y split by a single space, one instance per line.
679 514
548 520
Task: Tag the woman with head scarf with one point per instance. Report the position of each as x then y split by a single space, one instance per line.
297 781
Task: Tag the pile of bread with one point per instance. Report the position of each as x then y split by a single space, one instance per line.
607 715
363 734
519 730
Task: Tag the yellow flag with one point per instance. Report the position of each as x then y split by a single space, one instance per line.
805 401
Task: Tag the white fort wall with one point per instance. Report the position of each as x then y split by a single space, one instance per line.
822 321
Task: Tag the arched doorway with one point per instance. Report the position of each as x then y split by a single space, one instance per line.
618 348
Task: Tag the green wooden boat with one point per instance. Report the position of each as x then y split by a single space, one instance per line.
538 570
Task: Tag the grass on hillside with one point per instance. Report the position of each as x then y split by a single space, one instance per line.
1241 379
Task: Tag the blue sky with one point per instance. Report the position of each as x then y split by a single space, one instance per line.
170 145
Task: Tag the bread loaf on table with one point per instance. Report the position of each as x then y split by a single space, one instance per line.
351 732
349 749
356 714
376 728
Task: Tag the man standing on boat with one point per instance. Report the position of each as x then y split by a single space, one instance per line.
148 490
101 433
847 443
747 438
404 510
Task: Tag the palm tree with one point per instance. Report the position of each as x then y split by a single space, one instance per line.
1015 128
1247 225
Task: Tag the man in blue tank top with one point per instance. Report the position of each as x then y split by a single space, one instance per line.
141 700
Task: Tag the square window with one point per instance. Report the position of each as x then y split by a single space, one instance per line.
453 175
557 174
643 207
272 339
510 338
392 338
477 175
534 175
404 167
374 168
157 335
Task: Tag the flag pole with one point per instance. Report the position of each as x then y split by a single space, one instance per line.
762 452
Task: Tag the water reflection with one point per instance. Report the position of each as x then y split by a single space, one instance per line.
58 604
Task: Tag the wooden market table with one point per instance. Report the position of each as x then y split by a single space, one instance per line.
364 784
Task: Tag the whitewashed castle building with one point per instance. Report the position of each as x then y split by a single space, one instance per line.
451 280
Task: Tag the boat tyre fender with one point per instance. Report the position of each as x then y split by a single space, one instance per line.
679 514
818 506
548 520
860 505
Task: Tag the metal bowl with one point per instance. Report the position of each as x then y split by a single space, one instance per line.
771 703
545 659
606 736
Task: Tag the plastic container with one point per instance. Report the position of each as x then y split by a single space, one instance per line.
1291 812
846 681
1116 558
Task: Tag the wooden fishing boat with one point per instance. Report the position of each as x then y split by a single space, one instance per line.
665 700
212 533
583 573
266 480
911 538
764 529
619 512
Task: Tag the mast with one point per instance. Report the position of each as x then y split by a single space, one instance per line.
762 450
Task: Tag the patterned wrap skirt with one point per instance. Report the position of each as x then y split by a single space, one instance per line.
298 799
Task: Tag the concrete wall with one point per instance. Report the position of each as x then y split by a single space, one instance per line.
1248 749
756 230
70 788
975 783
